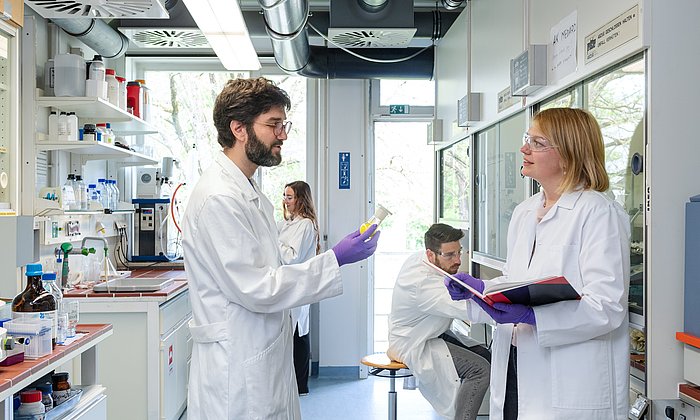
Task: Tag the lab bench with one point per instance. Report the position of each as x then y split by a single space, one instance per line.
146 366
17 377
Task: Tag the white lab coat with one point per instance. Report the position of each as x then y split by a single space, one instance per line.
421 310
574 364
297 238
242 344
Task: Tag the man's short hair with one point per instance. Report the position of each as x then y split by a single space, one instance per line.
243 100
439 234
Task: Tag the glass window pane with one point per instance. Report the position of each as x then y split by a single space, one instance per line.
407 92
568 99
293 166
455 182
499 185
183 117
403 173
485 184
511 188
617 100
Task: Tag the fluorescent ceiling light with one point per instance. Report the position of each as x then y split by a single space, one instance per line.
221 22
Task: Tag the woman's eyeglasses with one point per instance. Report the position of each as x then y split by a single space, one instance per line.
537 143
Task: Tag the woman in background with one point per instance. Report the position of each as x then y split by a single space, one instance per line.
299 241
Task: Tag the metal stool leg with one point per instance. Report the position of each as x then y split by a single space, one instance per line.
392 395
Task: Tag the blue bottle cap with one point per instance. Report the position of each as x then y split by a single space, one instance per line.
34 270
48 276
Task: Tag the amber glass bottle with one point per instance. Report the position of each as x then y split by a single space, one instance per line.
35 301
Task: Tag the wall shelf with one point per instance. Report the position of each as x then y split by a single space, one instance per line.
99 110
95 150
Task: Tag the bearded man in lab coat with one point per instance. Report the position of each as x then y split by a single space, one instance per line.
241 329
452 375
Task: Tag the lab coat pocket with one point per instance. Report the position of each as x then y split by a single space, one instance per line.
209 371
581 377
268 378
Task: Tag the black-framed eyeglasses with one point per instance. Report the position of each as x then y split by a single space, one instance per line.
537 143
450 255
279 127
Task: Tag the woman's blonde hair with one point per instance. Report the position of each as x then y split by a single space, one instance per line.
579 141
304 208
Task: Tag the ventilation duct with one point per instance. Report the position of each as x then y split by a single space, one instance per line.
96 34
286 21
375 24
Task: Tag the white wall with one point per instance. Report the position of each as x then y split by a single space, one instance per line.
343 319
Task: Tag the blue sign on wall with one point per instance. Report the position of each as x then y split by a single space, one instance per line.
344 170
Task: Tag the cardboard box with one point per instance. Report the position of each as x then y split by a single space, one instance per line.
12 10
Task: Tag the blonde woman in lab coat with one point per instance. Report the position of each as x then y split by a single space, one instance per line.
241 364
568 360
299 241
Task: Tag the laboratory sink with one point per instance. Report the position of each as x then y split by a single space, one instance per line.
139 284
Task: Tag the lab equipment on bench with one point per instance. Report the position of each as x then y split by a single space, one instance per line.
151 234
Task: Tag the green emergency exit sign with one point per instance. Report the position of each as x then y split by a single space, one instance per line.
398 109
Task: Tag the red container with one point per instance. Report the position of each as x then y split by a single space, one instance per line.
134 98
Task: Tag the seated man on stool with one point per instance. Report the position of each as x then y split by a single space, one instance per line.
452 376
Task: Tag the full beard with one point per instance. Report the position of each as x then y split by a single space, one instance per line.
260 154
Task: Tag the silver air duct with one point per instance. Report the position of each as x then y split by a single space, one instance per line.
96 34
285 23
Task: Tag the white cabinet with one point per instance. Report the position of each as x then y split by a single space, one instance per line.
145 367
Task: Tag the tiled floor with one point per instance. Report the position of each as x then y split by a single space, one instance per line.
353 399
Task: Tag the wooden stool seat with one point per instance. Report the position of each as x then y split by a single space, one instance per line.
379 362
382 361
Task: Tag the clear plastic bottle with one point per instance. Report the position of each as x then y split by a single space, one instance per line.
67 194
93 195
49 282
103 192
34 301
112 87
379 214
80 191
115 194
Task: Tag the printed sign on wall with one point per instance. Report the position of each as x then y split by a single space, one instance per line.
618 31
344 170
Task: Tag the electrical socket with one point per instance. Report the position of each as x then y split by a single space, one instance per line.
119 225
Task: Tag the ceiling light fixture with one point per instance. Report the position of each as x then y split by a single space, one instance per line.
221 22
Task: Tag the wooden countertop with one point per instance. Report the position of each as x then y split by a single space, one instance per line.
22 374
179 285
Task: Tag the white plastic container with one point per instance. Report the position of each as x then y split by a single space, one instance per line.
72 121
53 126
122 92
112 87
62 126
34 330
69 72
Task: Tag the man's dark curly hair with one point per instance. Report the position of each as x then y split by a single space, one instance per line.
243 100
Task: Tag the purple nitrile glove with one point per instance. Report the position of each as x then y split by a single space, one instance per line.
458 291
505 313
356 246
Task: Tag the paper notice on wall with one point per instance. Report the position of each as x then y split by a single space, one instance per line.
618 31
562 48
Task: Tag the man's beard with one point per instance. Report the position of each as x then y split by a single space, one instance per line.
259 153
450 268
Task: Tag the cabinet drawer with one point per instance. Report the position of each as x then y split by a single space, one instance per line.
174 311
